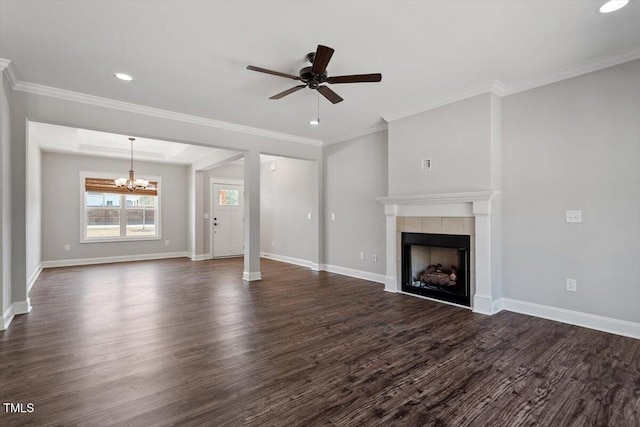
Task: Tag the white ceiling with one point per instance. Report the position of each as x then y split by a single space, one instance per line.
190 57
65 139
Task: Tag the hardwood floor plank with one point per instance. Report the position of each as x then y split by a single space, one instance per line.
176 342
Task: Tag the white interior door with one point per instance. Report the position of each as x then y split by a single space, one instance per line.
227 224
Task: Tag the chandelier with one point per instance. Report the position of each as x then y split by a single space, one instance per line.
132 184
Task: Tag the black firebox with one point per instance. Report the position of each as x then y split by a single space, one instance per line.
437 266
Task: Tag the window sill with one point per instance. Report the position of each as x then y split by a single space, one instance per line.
120 239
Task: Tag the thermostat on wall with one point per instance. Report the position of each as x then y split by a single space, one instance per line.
426 164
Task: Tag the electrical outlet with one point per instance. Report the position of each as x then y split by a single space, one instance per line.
67 247
273 243
573 216
374 258
361 256
333 216
571 285
167 242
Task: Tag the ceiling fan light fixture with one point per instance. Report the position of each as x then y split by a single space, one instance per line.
315 76
316 122
123 76
613 5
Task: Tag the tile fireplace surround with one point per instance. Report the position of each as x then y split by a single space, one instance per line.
466 213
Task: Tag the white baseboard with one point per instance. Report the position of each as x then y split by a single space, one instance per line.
7 317
111 259
22 307
287 259
18 307
484 305
200 257
591 321
33 278
358 274
251 276
390 284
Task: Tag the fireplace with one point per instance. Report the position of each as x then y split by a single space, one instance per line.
437 266
461 214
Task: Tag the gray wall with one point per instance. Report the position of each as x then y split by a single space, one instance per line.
457 137
226 171
287 195
355 172
5 194
34 208
574 145
61 199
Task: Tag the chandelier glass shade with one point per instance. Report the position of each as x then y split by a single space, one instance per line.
132 184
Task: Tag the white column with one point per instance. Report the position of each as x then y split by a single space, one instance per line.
482 300
251 216
391 282
318 244
198 243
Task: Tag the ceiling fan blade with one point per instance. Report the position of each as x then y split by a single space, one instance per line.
275 73
288 92
329 94
321 59
356 78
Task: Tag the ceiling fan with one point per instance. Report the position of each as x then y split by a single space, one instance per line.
314 76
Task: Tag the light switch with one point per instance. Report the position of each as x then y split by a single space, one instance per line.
333 215
574 216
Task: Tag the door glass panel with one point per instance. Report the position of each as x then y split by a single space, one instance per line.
228 197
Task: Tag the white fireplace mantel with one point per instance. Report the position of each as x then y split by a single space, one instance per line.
475 204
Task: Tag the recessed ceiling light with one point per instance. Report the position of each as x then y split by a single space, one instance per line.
123 76
314 122
613 5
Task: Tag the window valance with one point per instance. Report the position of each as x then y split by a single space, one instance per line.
104 185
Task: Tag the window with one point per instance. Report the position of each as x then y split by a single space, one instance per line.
228 197
110 213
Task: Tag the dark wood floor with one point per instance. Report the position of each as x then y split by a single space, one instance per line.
177 342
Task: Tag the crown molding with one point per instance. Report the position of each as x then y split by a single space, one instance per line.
493 86
357 134
67 95
575 70
9 71
501 89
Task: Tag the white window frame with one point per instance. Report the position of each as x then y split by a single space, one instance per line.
123 219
